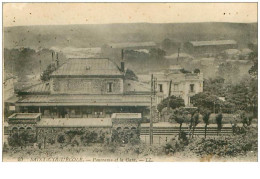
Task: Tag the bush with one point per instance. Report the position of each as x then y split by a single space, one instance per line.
22 139
61 139
51 141
92 137
175 145
219 118
174 102
125 137
228 146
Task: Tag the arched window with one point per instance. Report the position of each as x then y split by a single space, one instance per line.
14 130
126 128
21 129
119 129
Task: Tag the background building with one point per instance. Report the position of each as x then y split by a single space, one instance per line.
183 84
114 50
215 46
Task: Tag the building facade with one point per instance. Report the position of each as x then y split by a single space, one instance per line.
85 88
183 84
76 131
82 96
209 47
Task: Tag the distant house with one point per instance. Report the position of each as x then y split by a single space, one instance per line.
114 50
183 84
202 47
131 45
171 44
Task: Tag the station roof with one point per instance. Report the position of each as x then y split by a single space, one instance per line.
24 116
84 100
41 88
126 115
88 67
75 122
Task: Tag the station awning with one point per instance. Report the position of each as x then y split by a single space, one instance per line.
84 100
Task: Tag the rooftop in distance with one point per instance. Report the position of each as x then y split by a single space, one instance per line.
131 44
213 42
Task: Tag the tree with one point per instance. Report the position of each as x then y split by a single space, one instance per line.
246 118
215 86
244 96
61 139
197 70
184 71
194 121
130 75
45 76
228 71
157 53
174 102
180 115
206 100
21 139
206 115
219 121
166 44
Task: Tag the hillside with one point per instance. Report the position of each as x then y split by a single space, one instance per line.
26 47
97 35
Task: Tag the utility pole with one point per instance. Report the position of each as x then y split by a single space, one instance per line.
40 66
151 105
122 54
178 55
169 94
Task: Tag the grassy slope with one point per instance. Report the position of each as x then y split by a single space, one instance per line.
97 35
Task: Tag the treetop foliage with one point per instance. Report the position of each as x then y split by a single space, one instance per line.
174 102
180 115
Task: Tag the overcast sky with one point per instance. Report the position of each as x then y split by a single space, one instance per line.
20 14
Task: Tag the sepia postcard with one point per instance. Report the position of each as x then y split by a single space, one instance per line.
130 82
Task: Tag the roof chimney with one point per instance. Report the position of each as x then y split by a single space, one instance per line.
122 61
122 54
123 66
